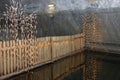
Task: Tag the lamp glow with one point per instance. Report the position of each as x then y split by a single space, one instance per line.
51 9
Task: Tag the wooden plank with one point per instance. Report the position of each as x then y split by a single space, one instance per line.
31 59
53 50
34 52
50 54
41 54
17 57
22 57
22 54
45 53
4 56
25 55
39 51
14 55
20 51
33 56
8 62
11 57
1 60
8 52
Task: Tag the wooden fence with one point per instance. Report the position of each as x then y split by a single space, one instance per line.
20 55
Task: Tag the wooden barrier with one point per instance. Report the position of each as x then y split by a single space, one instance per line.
1 60
56 71
61 46
44 49
17 55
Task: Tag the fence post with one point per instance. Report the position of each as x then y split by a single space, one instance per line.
1 58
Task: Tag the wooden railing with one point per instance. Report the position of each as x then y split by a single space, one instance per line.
20 55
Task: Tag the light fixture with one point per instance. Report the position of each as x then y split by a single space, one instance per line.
51 9
93 3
